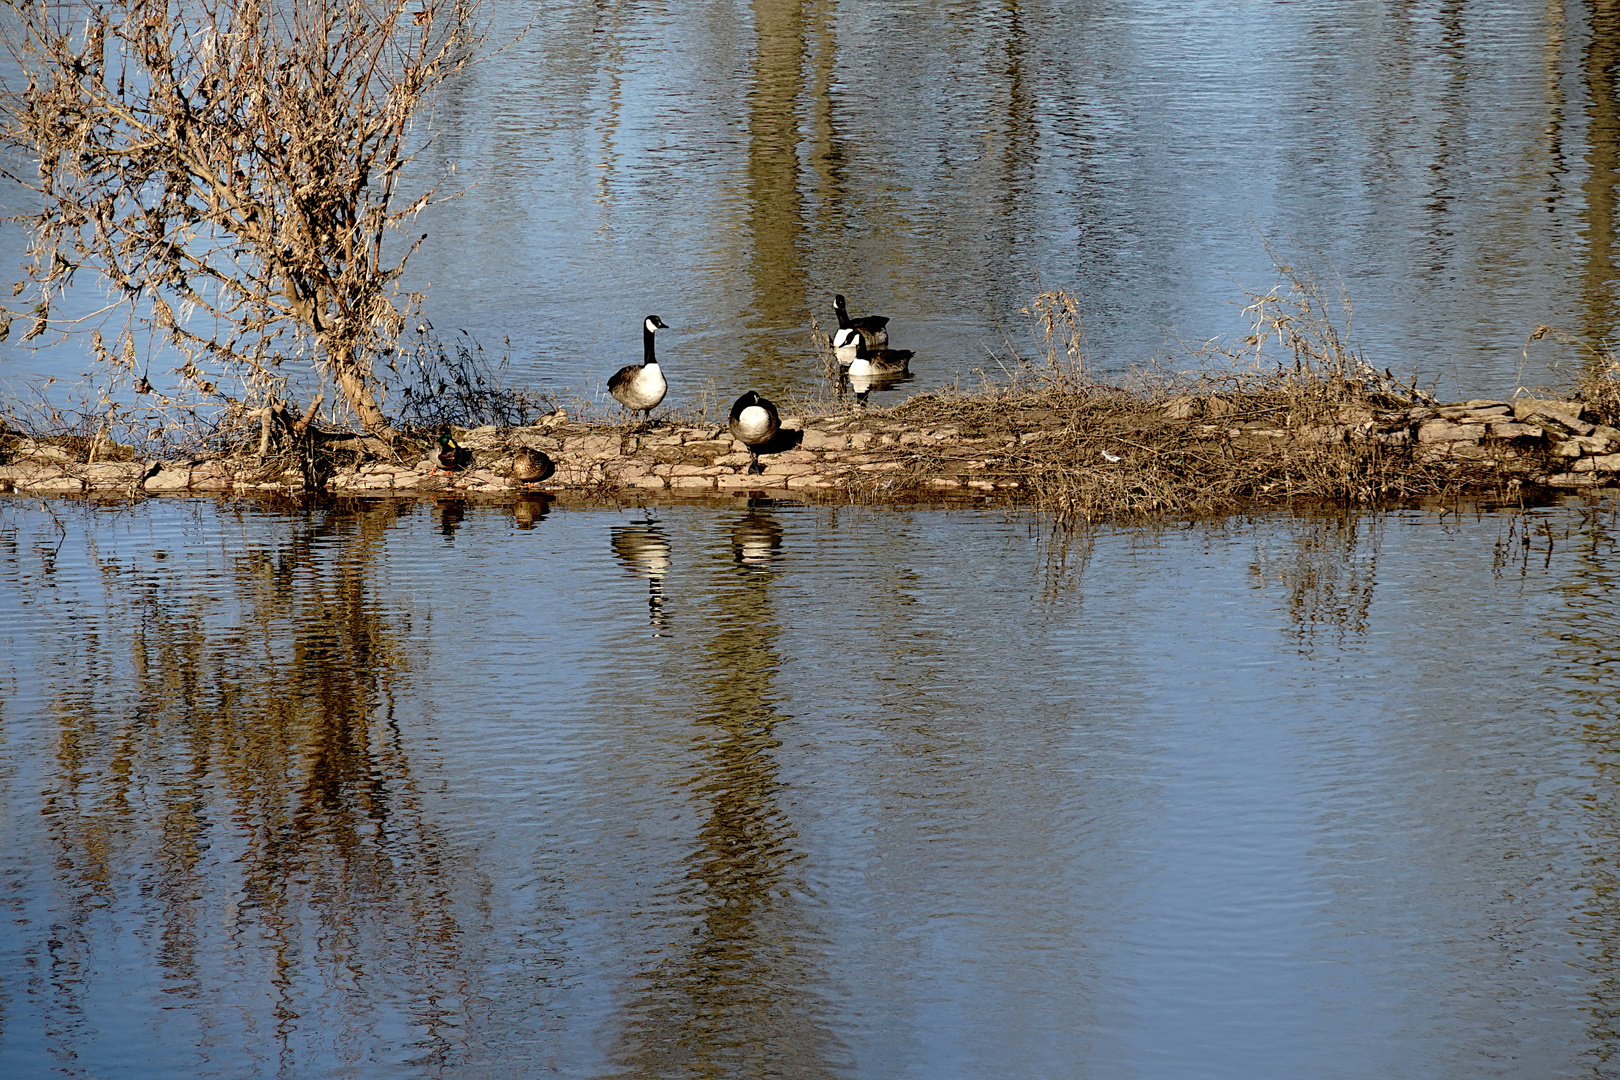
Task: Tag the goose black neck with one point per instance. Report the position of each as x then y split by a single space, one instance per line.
843 313
647 346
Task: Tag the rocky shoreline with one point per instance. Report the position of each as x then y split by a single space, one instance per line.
1476 446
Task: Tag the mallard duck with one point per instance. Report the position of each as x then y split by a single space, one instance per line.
640 387
446 454
754 423
874 328
531 466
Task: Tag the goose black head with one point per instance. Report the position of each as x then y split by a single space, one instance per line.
848 345
653 324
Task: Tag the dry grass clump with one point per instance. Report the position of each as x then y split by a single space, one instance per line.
434 384
1597 384
1282 415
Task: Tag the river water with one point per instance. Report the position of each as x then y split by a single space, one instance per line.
733 789
731 167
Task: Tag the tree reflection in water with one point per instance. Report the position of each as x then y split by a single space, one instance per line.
737 999
1587 627
228 777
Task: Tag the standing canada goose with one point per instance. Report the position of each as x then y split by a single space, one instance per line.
874 328
531 466
446 454
754 422
640 387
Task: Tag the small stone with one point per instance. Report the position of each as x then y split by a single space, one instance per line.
593 446
823 440
60 484
1433 431
1566 413
109 473
1506 430
795 456
177 478
1580 445
1575 480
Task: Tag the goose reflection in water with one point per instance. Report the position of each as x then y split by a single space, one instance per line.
737 995
530 509
755 540
643 549
863 383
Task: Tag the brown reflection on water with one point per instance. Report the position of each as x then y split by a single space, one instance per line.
776 214
1328 573
232 754
1588 627
737 997
1601 71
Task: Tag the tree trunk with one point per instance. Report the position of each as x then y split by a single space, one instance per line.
356 389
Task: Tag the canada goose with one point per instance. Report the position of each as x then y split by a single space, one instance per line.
868 369
446 454
640 387
531 466
864 360
874 328
754 422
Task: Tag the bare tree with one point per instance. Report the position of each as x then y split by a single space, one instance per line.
232 168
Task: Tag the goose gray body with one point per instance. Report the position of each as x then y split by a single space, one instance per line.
754 423
640 387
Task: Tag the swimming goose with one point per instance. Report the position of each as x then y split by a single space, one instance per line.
874 328
640 387
754 422
859 358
